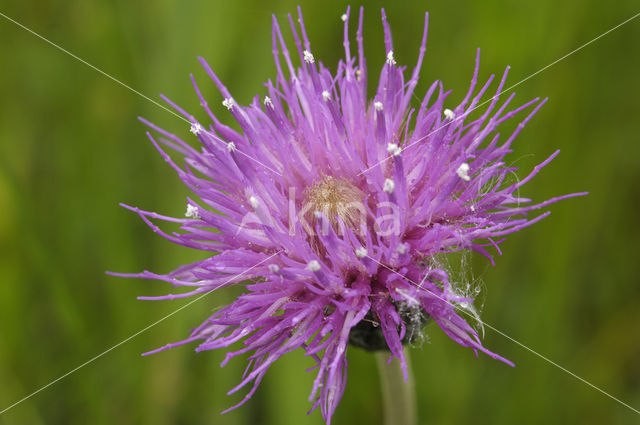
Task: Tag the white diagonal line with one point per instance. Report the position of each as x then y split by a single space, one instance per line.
248 156
129 338
511 339
95 68
403 148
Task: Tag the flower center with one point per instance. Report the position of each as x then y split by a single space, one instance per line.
338 200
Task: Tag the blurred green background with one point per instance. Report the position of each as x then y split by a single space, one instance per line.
71 149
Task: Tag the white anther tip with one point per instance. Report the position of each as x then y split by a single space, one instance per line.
313 266
308 57
254 202
390 58
361 252
196 128
192 212
448 113
393 149
228 103
463 172
388 186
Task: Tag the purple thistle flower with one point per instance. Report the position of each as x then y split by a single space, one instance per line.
335 206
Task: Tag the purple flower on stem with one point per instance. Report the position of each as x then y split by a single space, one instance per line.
329 209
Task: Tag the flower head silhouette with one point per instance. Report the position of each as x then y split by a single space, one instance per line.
329 209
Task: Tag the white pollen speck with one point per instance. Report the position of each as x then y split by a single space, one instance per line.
231 147
313 265
326 95
361 252
254 202
402 248
308 57
196 128
344 17
390 59
268 102
378 106
192 212
273 268
463 172
228 103
388 186
473 208
393 149
448 113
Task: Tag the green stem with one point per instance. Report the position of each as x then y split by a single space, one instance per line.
398 397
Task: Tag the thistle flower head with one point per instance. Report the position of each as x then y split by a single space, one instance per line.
329 208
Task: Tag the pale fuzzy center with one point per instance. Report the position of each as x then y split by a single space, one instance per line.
337 199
